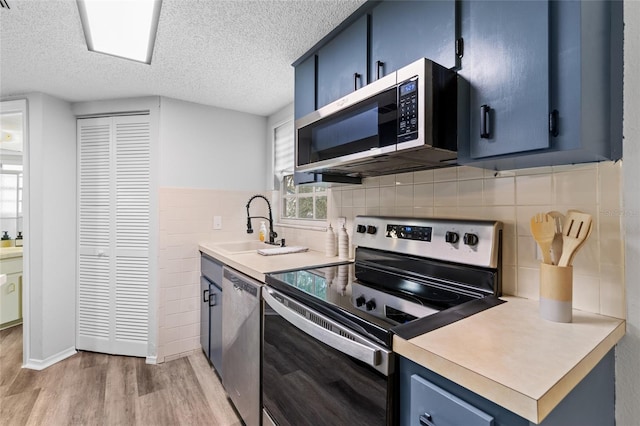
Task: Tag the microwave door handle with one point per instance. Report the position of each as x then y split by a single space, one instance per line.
366 354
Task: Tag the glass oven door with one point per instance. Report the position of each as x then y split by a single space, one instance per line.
316 372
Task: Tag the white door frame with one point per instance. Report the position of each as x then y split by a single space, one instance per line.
20 106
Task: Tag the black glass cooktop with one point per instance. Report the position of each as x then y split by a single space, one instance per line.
328 290
384 290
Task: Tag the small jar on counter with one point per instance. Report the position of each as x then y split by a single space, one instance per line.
19 241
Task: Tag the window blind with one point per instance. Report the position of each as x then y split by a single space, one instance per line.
283 146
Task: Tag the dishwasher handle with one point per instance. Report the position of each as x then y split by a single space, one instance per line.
361 351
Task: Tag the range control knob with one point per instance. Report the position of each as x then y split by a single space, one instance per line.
370 305
470 239
451 237
371 229
360 301
361 229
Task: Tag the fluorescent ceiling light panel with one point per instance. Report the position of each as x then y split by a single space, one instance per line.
123 28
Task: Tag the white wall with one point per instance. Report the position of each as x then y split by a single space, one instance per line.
211 148
51 236
628 351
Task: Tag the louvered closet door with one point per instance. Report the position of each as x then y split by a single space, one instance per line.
113 283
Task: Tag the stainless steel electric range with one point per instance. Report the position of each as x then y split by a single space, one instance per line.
327 346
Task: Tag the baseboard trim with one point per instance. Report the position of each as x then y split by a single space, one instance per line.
38 364
152 360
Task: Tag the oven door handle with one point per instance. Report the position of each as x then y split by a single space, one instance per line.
367 354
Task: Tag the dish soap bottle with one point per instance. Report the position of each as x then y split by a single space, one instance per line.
5 240
262 234
343 243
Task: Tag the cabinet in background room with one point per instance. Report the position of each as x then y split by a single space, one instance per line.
211 311
11 291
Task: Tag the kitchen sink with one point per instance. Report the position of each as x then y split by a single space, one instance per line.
242 246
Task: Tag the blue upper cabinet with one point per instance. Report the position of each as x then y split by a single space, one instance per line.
305 87
545 76
506 61
546 82
404 31
342 63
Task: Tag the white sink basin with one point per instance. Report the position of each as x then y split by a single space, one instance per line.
242 246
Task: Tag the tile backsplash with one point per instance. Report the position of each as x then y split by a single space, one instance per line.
186 220
511 197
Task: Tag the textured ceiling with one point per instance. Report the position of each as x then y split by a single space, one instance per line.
229 54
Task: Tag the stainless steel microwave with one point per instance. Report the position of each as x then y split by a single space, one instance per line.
407 120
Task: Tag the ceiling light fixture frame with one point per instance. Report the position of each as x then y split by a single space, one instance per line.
84 18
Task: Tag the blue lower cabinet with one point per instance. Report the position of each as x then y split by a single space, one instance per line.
211 311
432 405
428 399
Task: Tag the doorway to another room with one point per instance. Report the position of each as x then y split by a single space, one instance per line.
12 224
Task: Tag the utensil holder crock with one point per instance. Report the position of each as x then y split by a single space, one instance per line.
556 292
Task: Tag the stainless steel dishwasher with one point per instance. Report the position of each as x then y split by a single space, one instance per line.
241 343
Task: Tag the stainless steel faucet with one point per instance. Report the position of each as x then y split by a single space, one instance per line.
272 234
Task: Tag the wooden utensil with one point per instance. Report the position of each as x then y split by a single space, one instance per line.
543 229
581 244
556 245
577 228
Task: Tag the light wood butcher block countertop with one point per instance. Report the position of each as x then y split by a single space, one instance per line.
511 356
256 265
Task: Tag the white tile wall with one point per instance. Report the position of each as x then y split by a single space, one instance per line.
186 219
513 197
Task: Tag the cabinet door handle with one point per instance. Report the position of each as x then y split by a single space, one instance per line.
356 76
213 298
485 128
204 295
379 67
425 420
553 123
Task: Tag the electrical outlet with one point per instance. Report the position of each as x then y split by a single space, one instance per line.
217 222
342 221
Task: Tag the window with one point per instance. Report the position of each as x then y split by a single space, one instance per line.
297 203
303 202
11 198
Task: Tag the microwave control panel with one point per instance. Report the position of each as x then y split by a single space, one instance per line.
408 110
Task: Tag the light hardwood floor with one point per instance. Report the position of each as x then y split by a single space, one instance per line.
97 389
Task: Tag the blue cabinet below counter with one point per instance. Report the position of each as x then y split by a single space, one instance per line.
428 399
211 311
